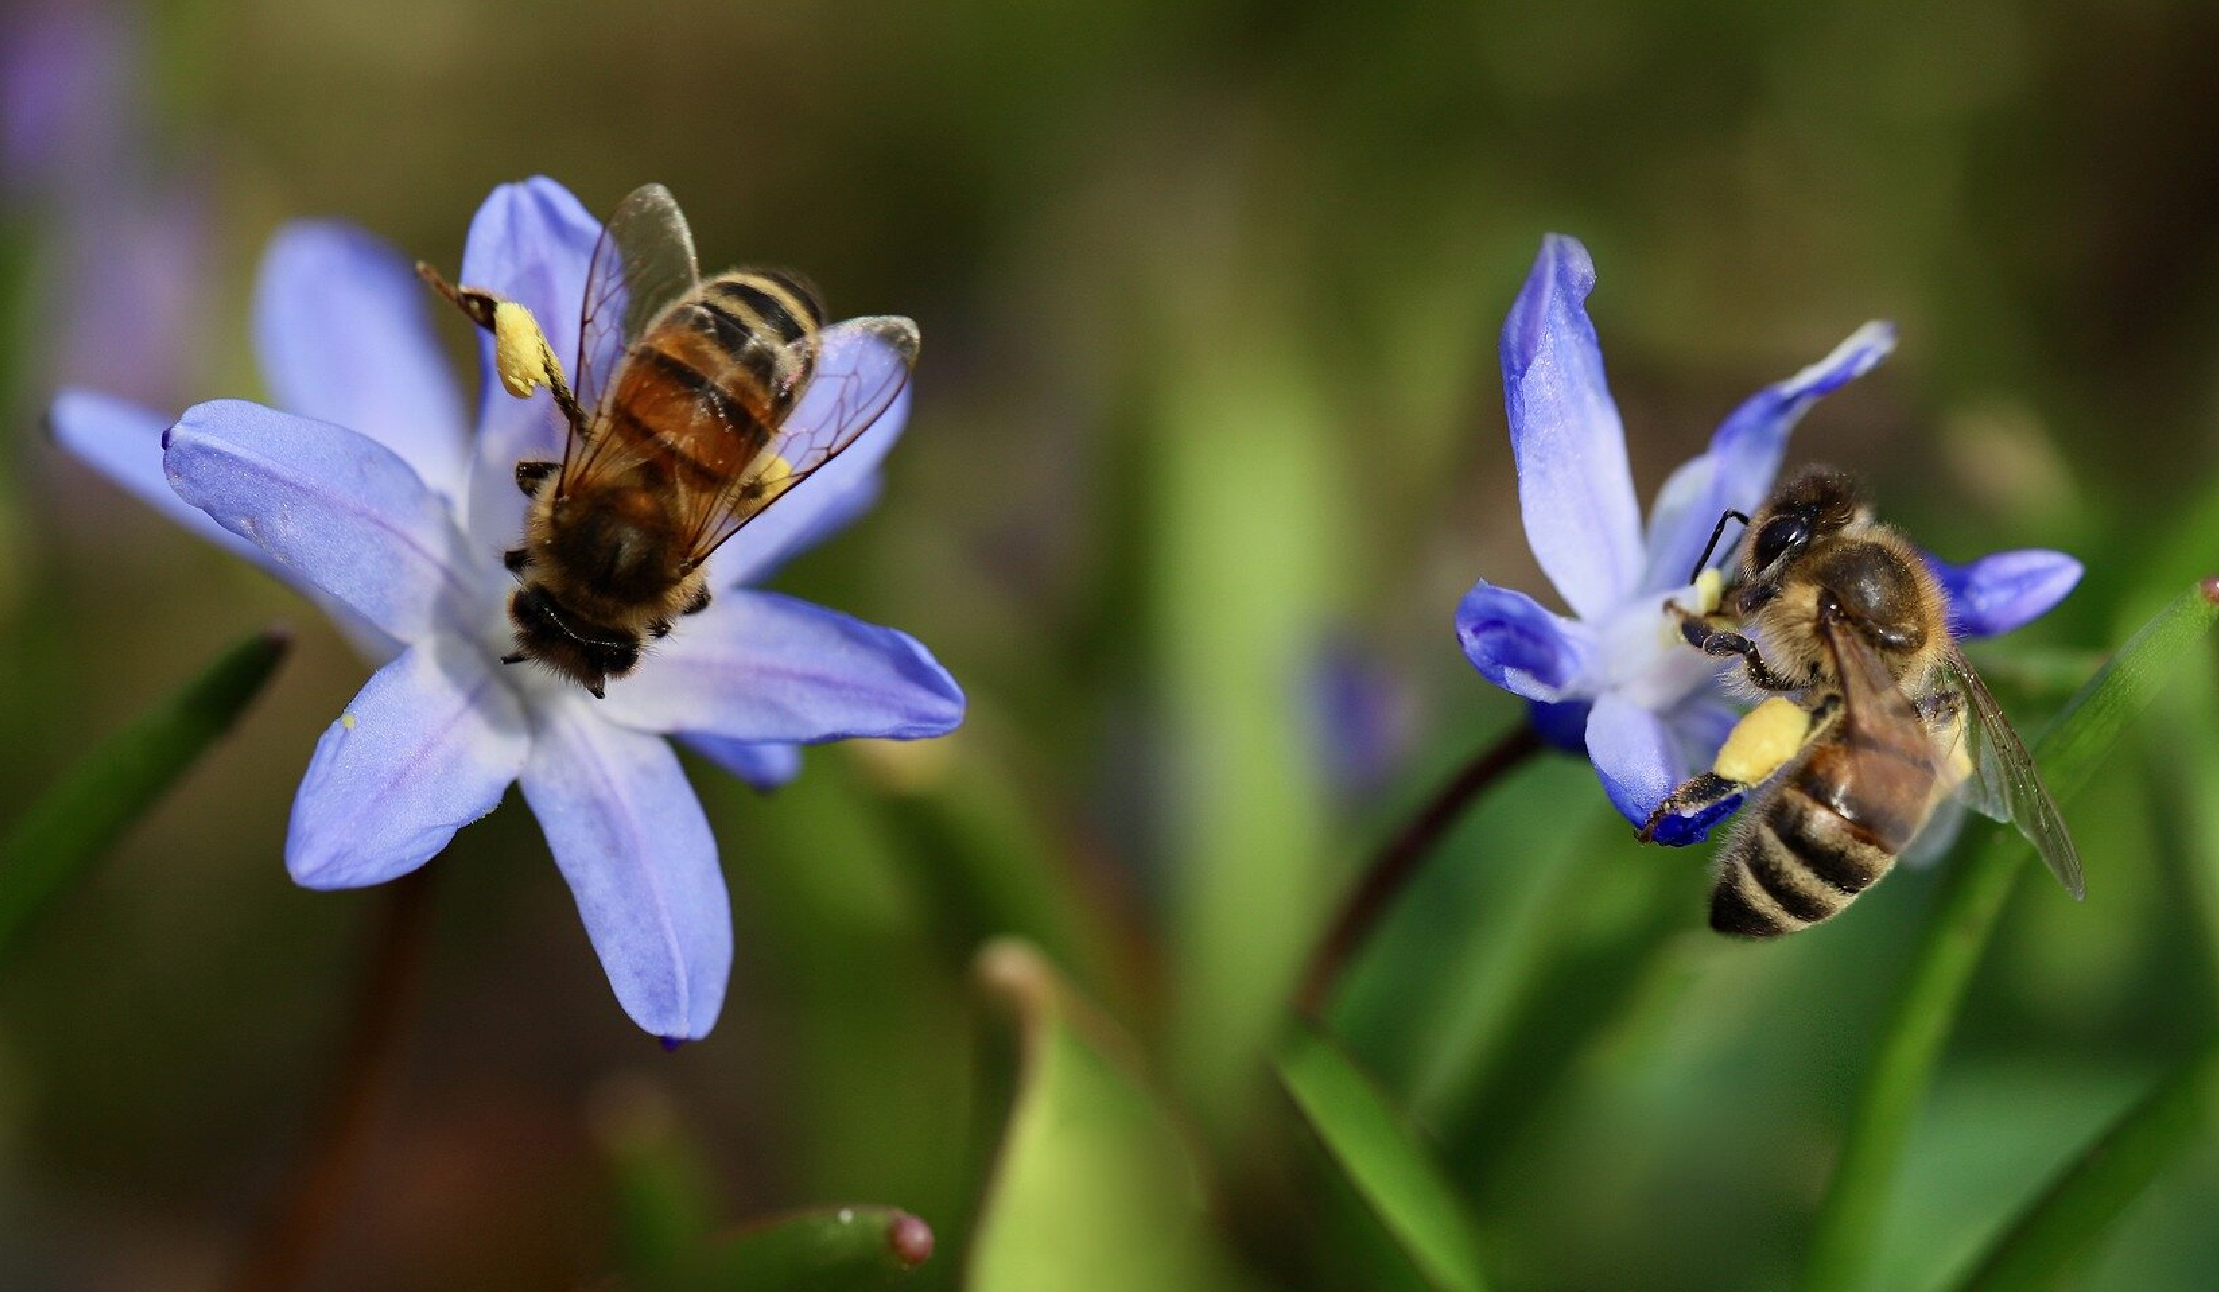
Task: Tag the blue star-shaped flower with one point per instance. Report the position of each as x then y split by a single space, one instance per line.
1611 682
369 496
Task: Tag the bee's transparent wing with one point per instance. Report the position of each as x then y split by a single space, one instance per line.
643 261
857 370
2000 780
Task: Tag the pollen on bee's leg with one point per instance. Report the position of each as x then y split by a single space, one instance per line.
1763 740
521 354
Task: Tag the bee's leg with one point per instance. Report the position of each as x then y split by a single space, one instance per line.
531 475
699 603
514 657
516 558
1723 642
1763 742
1698 801
659 628
475 305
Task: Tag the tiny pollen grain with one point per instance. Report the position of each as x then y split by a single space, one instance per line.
347 720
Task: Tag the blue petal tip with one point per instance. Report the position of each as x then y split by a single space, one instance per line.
1679 832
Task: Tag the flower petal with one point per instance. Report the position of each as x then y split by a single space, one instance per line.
1735 472
764 766
344 335
1575 490
842 489
530 243
1521 647
427 747
757 666
333 509
1634 753
631 841
123 442
2008 590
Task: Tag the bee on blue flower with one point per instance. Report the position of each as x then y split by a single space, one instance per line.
1614 680
366 490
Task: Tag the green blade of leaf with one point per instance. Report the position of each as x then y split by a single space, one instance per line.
1958 932
662 1202
825 1249
1382 1157
1095 1189
75 821
2099 1185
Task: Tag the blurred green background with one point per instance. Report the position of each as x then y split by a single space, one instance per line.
1208 406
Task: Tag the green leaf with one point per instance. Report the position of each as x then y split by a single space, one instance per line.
2075 745
51 846
1383 1158
2097 1188
825 1249
1244 461
663 1204
1095 1189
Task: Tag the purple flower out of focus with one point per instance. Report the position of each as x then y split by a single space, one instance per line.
1610 681
369 495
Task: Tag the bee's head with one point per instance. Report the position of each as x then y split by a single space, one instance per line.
585 653
1818 503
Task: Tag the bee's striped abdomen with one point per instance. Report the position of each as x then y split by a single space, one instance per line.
1826 835
712 378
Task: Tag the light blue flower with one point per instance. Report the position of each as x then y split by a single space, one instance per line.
369 495
1609 681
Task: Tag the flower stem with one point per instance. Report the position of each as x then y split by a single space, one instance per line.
1396 863
316 1188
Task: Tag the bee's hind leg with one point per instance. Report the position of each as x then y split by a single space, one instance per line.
1698 802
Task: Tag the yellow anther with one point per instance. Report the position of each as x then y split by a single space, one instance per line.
1710 587
1762 741
347 720
521 353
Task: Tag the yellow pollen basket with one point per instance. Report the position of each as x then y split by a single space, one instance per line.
772 476
521 354
1762 741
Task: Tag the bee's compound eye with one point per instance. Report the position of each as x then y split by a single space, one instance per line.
1781 535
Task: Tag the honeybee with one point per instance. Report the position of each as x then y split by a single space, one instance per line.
1839 611
698 403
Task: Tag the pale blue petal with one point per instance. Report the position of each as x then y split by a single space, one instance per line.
764 766
752 557
1635 754
757 666
333 509
123 442
1523 648
851 357
530 243
344 334
1575 490
2008 590
1737 470
631 841
427 747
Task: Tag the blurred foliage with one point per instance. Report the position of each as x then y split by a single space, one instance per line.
1210 292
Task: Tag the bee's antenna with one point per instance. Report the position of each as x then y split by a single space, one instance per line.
1708 548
